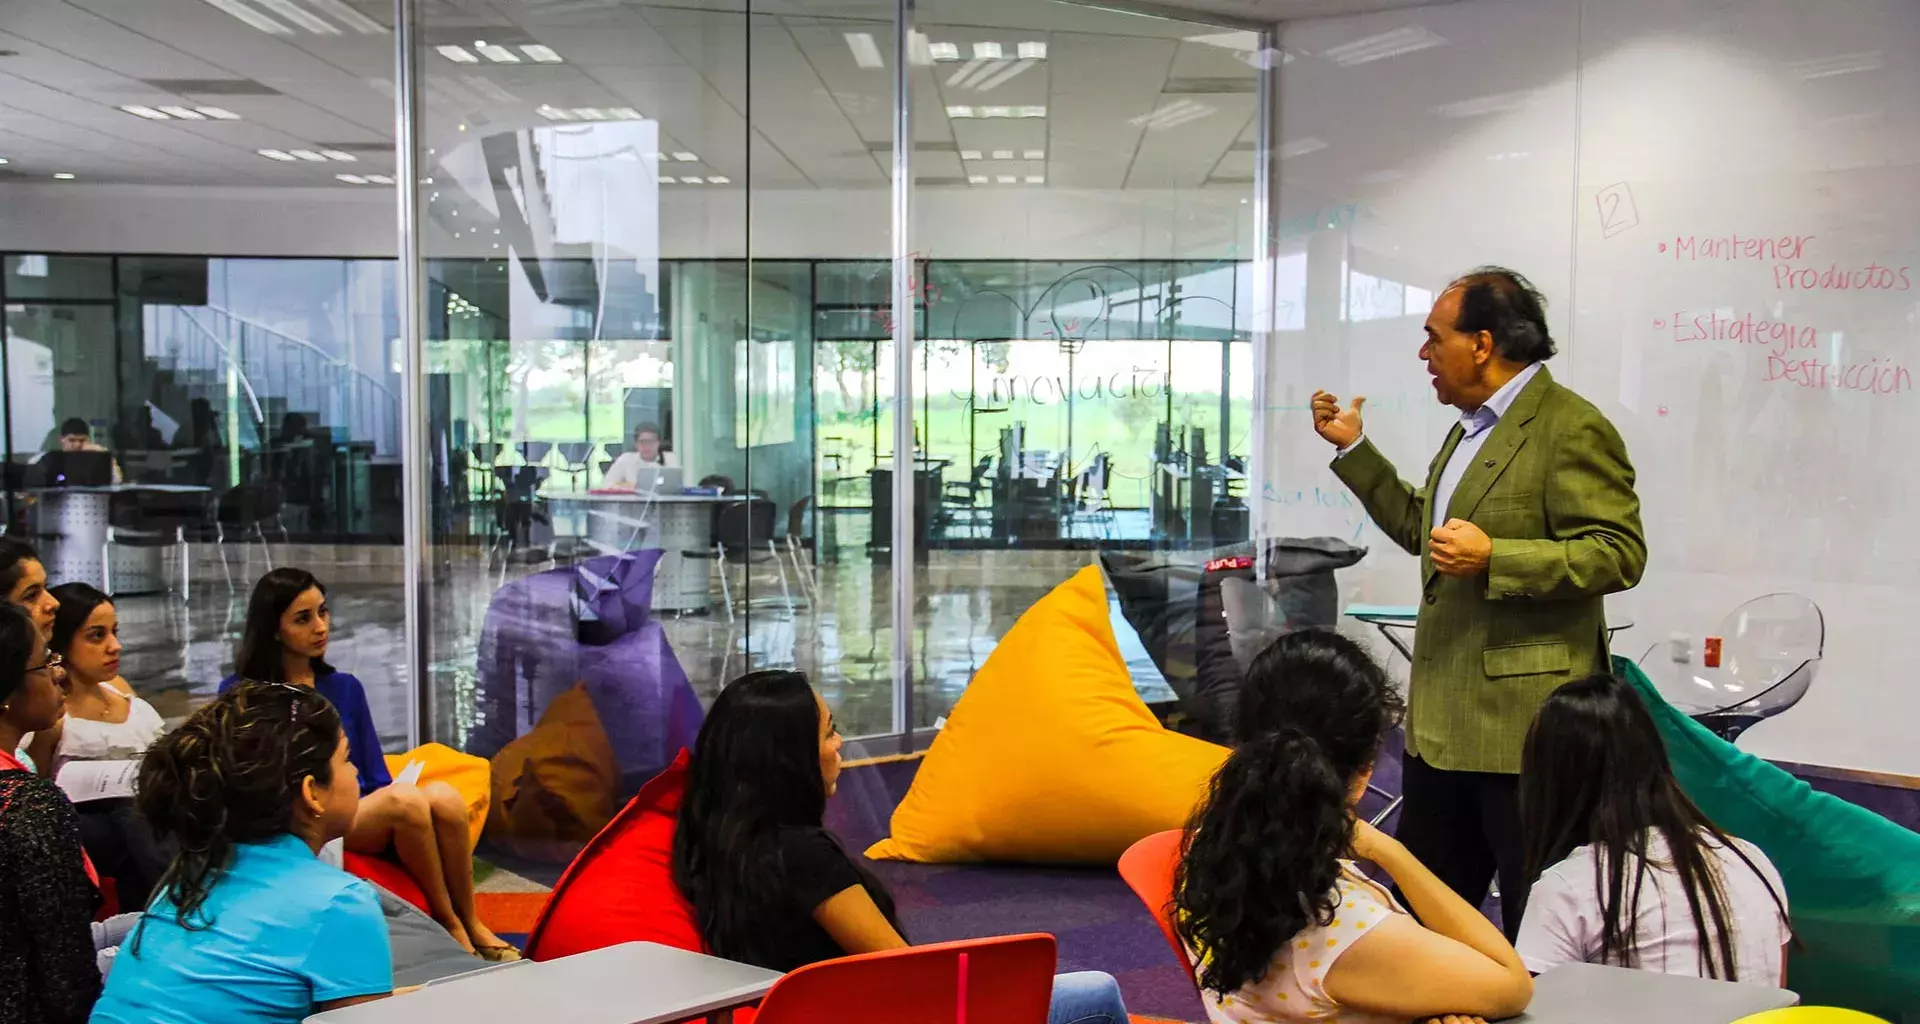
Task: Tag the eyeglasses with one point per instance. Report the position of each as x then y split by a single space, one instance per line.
53 661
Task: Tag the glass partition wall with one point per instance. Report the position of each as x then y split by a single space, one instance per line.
660 254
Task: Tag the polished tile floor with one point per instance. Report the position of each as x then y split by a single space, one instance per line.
964 601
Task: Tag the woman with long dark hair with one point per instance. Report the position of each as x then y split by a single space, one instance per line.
106 730
1628 871
23 581
768 883
285 640
249 925
1283 925
47 893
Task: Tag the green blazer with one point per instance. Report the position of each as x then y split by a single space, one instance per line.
1552 488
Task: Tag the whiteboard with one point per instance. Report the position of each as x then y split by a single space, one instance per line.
1720 200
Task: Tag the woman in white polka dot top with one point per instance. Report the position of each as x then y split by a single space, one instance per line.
1282 924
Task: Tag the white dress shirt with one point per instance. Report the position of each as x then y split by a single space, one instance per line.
624 474
1475 427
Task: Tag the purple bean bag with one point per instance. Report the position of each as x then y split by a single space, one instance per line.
592 624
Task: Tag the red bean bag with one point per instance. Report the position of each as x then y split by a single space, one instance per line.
386 874
620 887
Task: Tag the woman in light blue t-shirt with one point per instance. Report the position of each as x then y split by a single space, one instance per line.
248 925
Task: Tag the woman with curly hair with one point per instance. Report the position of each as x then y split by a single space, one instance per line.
248 924
1267 897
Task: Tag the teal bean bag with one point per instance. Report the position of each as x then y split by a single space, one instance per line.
1853 877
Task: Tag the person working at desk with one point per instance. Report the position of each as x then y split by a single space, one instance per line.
624 474
76 436
1525 521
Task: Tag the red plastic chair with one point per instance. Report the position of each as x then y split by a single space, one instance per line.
1003 980
1148 867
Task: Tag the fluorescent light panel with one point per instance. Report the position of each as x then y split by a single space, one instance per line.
1400 41
219 113
251 17
63 175
1034 154
1032 50
184 113
627 114
969 154
719 179
685 157
693 181
351 179
495 53
1003 154
866 53
944 51
1480 106
976 179
299 16
308 155
989 51
1844 64
340 155
457 54
345 15
541 53
380 179
276 154
147 112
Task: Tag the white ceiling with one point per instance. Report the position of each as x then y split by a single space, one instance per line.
1132 102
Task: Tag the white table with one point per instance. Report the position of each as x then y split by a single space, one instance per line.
1592 994
632 983
671 523
74 524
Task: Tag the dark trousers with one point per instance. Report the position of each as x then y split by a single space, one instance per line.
1465 826
123 848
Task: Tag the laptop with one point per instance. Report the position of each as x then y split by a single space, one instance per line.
74 469
659 480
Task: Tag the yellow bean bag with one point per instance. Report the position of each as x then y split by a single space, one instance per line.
470 776
553 788
1050 756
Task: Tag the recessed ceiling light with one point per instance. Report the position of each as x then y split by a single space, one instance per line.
251 17
457 54
308 154
1035 154
969 154
63 175
693 181
1030 112
1006 179
552 113
976 179
1033 51
335 154
685 157
627 114
185 113
543 54
219 113
380 179
1003 154
3 161
944 51
668 179
866 53
295 13
494 53
351 179
147 112
589 113
989 51
275 154
996 111
1036 179
960 111
719 179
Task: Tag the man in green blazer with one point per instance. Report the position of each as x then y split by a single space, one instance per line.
1523 522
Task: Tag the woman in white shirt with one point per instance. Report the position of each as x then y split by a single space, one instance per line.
1283 925
624 474
1629 872
93 752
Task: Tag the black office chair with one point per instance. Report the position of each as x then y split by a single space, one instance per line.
247 509
960 497
743 536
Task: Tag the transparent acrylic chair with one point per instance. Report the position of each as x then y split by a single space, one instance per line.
1770 649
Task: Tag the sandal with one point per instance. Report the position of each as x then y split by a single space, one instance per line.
502 954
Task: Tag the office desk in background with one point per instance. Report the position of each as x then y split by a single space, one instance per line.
71 526
632 983
673 523
1390 619
1592 994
